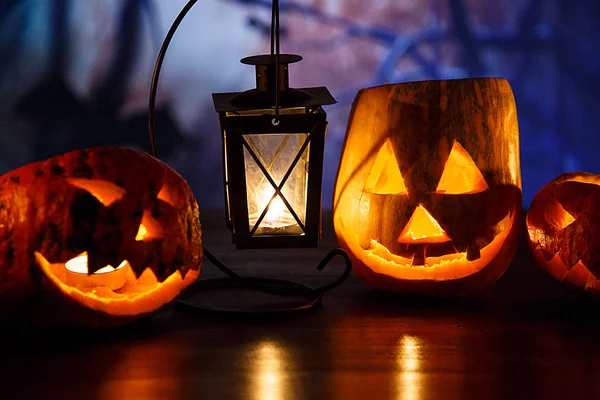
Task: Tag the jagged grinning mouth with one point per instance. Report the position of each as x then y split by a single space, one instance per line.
141 294
454 263
379 250
578 274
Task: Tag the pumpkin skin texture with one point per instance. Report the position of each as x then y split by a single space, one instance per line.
427 198
563 226
113 204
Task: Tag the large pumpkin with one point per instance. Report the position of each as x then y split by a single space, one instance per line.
428 193
563 224
96 237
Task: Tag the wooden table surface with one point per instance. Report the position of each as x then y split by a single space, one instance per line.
524 337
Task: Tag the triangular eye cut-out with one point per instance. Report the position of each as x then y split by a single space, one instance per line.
104 191
461 175
557 216
385 176
168 195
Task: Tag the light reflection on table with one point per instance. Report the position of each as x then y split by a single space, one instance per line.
269 371
143 371
408 361
525 337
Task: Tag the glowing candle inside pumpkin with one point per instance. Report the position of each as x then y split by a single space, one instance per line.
77 274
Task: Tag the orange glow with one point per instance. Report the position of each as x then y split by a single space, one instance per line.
269 371
149 228
408 368
104 191
109 276
168 195
557 216
594 179
278 215
578 275
133 373
447 267
461 175
385 176
142 233
137 296
422 228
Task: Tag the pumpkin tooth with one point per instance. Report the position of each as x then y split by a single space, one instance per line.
484 241
473 252
98 260
419 257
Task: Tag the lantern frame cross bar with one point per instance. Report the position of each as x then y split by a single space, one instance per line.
272 162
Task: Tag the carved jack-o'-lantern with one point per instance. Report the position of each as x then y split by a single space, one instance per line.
427 198
96 237
563 224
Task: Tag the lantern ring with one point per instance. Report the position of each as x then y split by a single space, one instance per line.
278 287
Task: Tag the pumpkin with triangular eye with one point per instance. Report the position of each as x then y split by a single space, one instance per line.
96 237
563 224
428 193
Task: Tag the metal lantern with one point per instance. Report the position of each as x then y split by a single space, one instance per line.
273 140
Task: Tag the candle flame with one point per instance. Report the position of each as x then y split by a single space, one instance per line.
277 209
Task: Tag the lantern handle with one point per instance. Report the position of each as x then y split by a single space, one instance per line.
324 262
345 274
275 49
156 73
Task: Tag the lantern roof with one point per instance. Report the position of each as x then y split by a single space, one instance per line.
267 83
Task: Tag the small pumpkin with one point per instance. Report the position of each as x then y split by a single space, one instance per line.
563 224
96 237
428 193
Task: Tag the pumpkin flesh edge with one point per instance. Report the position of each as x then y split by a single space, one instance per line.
142 302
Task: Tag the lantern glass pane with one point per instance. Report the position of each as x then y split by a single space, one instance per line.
276 153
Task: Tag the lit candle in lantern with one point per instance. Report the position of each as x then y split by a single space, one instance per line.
278 219
77 274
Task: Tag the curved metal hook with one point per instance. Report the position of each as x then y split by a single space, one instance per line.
345 274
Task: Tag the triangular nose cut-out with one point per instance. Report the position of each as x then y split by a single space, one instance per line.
385 176
422 228
461 175
149 229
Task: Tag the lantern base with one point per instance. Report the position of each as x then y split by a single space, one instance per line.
234 299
